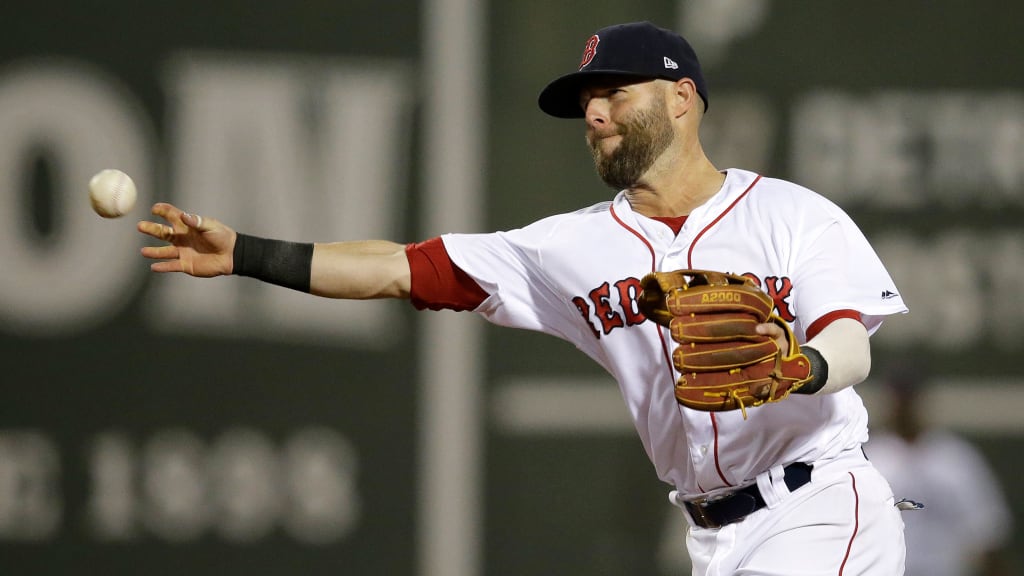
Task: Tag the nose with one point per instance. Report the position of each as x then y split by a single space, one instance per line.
595 114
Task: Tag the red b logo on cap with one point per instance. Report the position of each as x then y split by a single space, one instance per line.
589 51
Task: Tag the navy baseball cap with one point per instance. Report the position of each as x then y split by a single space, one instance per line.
638 50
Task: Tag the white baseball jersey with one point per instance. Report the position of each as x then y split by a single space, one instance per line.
576 276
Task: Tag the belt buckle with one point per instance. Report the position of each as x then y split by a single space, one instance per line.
698 509
701 517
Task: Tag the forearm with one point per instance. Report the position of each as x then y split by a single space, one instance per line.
846 350
351 270
360 270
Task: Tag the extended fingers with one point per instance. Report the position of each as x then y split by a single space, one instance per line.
168 212
158 231
167 266
160 252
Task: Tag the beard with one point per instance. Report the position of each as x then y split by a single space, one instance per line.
645 135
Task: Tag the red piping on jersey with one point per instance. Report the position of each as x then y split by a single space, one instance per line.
635 233
661 333
718 468
856 522
689 264
689 255
664 345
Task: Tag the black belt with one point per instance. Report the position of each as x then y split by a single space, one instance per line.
735 506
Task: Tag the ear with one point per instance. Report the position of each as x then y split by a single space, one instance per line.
683 97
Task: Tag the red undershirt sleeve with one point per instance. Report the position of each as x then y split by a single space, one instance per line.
818 325
438 284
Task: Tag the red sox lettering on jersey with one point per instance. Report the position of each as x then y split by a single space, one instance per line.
613 305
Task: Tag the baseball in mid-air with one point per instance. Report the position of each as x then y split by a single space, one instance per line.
112 193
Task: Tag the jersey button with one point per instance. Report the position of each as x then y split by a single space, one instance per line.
704 450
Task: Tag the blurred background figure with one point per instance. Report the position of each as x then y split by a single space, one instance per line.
965 524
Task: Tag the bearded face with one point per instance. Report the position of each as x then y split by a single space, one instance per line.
645 134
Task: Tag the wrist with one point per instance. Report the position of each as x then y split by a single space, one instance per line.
819 371
287 264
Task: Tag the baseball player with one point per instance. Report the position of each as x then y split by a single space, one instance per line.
774 486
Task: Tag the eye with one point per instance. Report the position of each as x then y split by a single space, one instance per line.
603 93
614 93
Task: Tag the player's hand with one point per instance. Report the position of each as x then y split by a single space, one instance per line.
776 332
196 245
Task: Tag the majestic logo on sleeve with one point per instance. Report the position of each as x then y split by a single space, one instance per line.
614 305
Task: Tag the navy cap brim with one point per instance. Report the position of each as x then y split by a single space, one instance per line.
561 98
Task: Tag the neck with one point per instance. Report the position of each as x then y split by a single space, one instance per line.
676 185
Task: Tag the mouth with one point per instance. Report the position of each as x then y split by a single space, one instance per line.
603 140
597 136
606 144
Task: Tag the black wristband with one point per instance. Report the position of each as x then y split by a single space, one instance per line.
287 264
819 371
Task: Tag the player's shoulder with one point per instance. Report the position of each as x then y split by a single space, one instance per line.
770 192
781 187
562 223
598 210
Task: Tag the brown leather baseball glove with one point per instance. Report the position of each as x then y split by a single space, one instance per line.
724 363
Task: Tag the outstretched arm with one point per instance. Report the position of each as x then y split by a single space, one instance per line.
205 247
